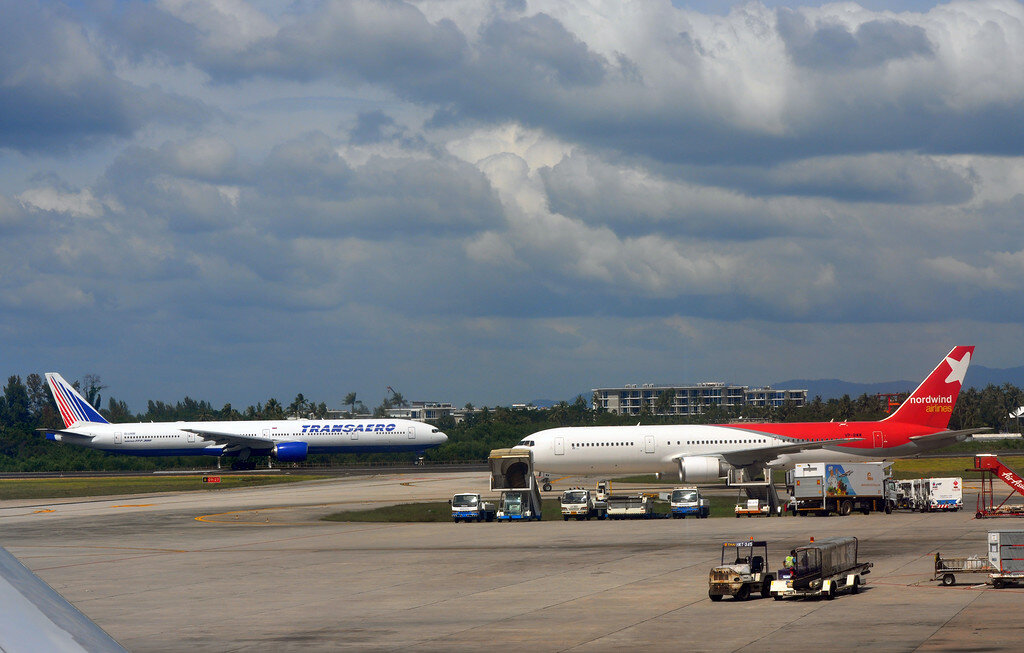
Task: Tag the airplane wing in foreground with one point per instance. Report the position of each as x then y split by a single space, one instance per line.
34 617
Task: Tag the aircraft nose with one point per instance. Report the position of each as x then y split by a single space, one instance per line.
441 437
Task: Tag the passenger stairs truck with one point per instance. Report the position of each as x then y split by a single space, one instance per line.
822 568
512 475
991 467
825 488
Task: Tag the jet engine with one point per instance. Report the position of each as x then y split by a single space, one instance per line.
291 452
701 469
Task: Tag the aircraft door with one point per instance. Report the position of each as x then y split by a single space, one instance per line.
191 437
559 446
412 432
648 444
878 440
117 438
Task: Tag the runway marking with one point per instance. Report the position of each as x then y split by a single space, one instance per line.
208 518
134 505
36 512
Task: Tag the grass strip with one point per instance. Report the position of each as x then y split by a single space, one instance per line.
57 488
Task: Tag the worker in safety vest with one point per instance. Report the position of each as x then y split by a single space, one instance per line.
790 562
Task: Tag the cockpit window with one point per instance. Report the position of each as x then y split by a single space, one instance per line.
526 443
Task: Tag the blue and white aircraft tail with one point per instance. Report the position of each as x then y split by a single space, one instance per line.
72 406
289 440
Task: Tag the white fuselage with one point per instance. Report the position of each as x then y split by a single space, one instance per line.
322 436
601 450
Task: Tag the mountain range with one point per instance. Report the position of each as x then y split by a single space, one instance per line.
978 376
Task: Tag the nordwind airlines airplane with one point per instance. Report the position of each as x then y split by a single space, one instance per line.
704 453
285 440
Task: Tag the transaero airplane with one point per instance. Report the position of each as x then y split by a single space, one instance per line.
705 453
285 440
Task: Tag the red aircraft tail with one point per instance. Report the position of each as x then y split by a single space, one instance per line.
932 403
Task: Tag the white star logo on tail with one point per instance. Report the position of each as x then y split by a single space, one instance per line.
958 368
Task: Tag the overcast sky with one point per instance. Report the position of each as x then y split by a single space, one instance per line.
494 202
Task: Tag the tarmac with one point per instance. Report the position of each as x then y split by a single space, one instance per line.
255 569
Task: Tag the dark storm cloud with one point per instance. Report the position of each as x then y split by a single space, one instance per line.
831 46
57 89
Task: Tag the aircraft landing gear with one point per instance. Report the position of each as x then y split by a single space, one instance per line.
243 461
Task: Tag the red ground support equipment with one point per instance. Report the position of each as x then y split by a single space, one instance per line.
991 467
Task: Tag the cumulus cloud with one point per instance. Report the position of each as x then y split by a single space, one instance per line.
58 89
409 184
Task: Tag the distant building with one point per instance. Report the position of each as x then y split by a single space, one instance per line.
691 399
423 410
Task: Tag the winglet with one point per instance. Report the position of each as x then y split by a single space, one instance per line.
933 401
72 405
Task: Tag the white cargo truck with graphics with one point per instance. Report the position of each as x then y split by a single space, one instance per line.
841 488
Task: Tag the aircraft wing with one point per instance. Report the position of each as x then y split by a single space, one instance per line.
234 441
933 439
34 617
762 456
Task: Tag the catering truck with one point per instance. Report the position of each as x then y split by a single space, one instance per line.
688 501
582 504
825 488
822 568
943 494
744 569
470 506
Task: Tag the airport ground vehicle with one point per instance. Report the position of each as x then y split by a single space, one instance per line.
944 494
630 506
752 507
582 504
1006 557
470 506
822 568
744 569
512 474
824 488
991 467
688 501
515 505
947 569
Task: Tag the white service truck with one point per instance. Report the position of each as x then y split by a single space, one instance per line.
688 501
943 494
630 506
470 506
582 504
825 488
